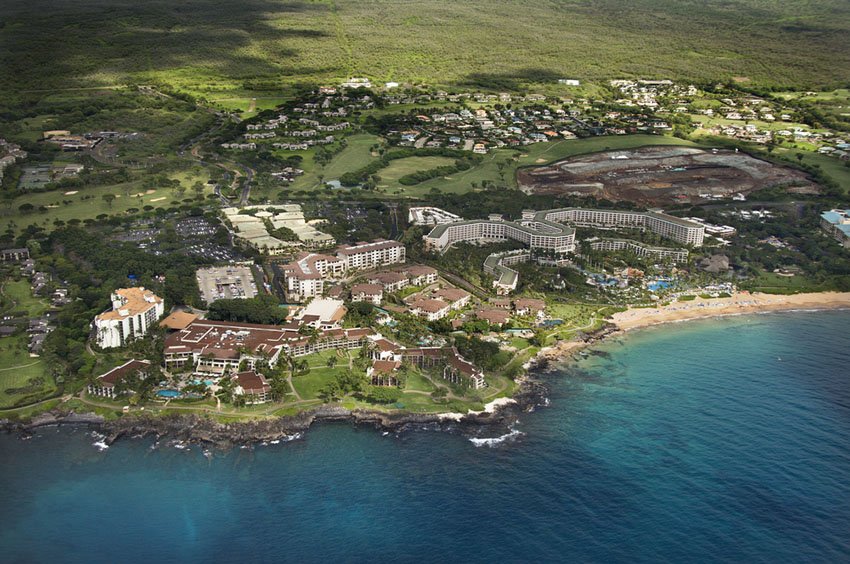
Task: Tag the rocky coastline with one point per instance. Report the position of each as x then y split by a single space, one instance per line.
205 431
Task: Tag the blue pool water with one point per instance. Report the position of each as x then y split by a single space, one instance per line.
168 393
658 285
722 440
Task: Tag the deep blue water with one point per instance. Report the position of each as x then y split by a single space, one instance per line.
725 440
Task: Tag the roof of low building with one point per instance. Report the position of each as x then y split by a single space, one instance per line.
252 382
452 294
429 306
368 289
112 377
385 366
178 320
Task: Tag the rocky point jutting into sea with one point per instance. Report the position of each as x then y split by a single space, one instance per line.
497 416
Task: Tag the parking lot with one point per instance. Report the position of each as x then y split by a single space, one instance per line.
226 282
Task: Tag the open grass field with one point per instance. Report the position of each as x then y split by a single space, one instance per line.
263 44
20 293
831 166
402 167
87 203
17 367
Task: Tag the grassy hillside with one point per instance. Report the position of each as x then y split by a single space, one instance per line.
212 46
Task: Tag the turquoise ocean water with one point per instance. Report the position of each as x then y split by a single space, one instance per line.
724 440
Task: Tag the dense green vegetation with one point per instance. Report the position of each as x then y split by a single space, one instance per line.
212 48
262 309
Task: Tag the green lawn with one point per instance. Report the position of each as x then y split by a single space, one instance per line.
20 292
87 203
17 367
402 167
771 283
356 155
308 385
416 381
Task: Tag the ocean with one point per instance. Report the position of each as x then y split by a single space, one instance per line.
722 440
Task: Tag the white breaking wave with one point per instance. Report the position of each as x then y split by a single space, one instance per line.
495 441
99 444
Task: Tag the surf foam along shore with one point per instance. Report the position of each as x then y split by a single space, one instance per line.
499 415
739 303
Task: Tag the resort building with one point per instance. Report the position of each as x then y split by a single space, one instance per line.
325 313
253 386
426 215
370 255
105 384
537 233
372 293
639 249
432 310
455 368
251 226
383 372
836 223
212 348
306 276
493 316
529 306
497 265
545 230
455 296
134 310
414 275
390 281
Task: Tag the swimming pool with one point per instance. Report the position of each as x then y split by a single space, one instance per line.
658 285
168 393
206 383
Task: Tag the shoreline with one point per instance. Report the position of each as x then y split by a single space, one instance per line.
498 415
739 303
182 429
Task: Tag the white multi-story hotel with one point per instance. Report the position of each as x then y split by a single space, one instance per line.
369 255
544 229
641 250
305 277
134 311
538 232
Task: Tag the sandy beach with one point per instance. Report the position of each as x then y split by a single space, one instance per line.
740 303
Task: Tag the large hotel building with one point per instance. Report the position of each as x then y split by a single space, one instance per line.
134 310
305 277
544 229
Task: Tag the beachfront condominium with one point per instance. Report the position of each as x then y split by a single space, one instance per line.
134 311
